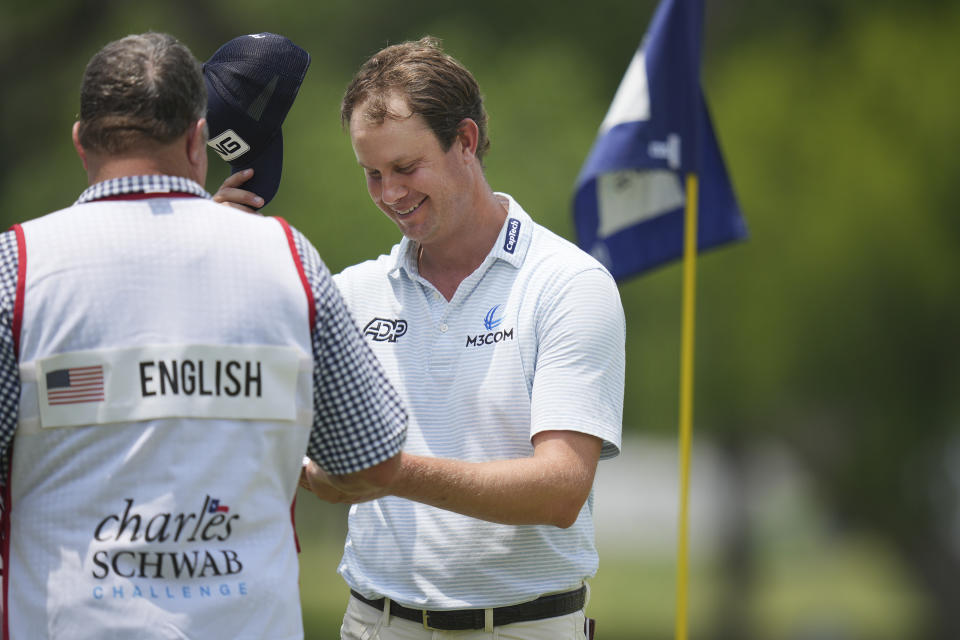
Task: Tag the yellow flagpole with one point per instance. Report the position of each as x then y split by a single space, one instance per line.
686 400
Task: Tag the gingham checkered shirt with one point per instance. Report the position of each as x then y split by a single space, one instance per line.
359 419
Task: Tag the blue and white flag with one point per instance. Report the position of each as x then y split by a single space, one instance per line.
629 202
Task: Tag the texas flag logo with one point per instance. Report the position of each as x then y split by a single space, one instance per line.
216 507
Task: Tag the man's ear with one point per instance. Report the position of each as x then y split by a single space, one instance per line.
468 135
197 142
79 147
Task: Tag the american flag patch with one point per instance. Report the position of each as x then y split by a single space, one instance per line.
75 385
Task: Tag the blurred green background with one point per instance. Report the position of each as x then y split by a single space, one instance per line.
827 458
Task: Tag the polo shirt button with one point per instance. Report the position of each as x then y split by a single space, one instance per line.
443 327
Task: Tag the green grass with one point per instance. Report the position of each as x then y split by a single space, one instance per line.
321 529
850 587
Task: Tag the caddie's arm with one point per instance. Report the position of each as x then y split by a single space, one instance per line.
360 486
232 195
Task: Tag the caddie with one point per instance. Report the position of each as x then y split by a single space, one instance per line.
165 364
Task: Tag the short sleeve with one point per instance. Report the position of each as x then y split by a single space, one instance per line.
579 377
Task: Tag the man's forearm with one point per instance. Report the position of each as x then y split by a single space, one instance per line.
548 488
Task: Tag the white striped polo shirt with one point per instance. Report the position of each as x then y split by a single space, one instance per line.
533 340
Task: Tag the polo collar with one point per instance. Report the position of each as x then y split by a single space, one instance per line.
515 235
511 245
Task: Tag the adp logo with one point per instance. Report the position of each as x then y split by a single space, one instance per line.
229 145
384 330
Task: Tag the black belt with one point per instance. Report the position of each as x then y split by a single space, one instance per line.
551 606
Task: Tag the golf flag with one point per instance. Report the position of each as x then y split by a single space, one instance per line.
630 195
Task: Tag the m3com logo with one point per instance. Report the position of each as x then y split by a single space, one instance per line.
491 322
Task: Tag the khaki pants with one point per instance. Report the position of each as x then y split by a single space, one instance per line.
363 622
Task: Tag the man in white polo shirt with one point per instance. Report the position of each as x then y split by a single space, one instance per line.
507 344
165 363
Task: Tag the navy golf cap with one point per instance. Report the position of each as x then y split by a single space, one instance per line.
251 84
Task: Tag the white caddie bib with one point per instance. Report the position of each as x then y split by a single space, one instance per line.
166 403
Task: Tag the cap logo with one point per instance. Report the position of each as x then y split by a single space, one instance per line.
229 145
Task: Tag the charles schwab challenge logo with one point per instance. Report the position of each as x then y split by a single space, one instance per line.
513 235
201 540
490 322
384 330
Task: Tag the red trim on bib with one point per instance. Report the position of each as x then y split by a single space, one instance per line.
21 287
303 274
293 522
312 307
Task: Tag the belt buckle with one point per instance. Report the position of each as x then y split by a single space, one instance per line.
426 621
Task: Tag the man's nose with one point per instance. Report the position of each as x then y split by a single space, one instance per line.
393 191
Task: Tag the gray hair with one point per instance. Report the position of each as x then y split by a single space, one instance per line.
141 88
